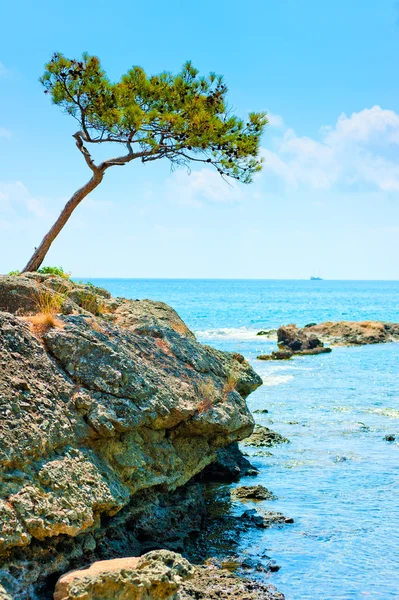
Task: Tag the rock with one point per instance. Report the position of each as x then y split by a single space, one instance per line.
261 411
4 595
354 333
314 351
262 453
254 492
264 520
263 436
277 355
101 418
157 575
266 332
390 437
211 583
295 342
230 466
289 337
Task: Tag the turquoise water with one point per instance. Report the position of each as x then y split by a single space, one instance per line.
338 478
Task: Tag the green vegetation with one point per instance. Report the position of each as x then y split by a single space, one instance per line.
184 118
48 271
54 271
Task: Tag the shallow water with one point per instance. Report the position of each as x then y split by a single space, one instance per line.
338 478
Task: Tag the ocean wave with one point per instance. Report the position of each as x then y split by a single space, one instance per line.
236 333
393 413
272 380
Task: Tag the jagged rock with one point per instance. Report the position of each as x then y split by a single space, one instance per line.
267 332
96 411
277 355
4 595
253 492
211 583
230 466
314 351
263 436
157 575
289 337
265 519
353 333
295 342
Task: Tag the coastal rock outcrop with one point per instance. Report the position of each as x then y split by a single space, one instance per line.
264 437
109 407
355 333
311 338
157 575
293 341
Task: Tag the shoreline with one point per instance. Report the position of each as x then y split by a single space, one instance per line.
129 408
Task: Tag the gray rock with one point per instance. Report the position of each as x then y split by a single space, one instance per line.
264 437
253 492
96 412
353 333
289 337
157 575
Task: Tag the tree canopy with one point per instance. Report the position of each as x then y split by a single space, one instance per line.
183 117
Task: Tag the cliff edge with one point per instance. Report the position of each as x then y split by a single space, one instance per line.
104 402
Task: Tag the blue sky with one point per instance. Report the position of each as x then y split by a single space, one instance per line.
327 201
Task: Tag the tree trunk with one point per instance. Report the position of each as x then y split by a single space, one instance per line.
41 251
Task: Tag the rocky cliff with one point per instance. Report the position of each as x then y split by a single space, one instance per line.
108 408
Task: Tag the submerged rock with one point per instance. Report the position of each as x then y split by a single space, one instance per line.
263 436
253 492
104 412
390 437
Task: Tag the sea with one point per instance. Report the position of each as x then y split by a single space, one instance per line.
338 477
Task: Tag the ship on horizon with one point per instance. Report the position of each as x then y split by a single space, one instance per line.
314 278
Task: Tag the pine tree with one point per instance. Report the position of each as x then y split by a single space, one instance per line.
183 118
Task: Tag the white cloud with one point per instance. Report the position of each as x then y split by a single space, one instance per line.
201 187
16 201
5 133
276 121
362 149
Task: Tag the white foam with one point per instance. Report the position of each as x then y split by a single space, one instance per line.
236 333
272 380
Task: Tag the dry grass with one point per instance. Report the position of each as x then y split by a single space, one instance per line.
231 383
48 305
90 302
208 397
43 322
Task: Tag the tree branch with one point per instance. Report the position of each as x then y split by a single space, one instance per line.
87 156
122 160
